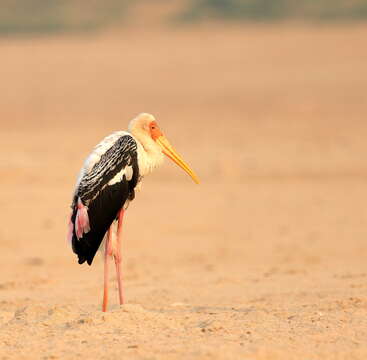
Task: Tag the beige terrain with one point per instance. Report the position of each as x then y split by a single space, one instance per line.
265 259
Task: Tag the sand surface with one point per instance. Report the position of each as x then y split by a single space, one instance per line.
266 259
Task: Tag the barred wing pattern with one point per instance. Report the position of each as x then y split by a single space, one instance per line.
102 191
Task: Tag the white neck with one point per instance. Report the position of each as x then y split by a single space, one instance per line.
150 155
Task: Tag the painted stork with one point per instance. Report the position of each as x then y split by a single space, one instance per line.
107 183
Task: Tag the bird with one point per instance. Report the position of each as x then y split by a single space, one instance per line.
107 183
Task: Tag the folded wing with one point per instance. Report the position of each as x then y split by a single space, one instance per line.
106 182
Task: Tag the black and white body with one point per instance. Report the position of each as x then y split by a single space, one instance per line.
107 183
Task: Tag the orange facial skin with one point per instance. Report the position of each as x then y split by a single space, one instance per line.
155 132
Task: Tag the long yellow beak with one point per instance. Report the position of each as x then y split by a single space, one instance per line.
169 151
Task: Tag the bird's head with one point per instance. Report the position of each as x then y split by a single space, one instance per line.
145 126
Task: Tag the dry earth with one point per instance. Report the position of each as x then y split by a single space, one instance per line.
266 259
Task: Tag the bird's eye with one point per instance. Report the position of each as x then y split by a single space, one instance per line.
153 127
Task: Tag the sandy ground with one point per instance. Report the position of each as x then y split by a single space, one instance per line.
266 259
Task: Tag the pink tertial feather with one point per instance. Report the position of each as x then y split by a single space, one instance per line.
81 220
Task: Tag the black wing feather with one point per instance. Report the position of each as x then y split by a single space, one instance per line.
104 201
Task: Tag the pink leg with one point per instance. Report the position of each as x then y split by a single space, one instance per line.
118 258
107 253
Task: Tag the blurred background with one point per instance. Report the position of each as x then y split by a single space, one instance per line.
281 78
265 99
